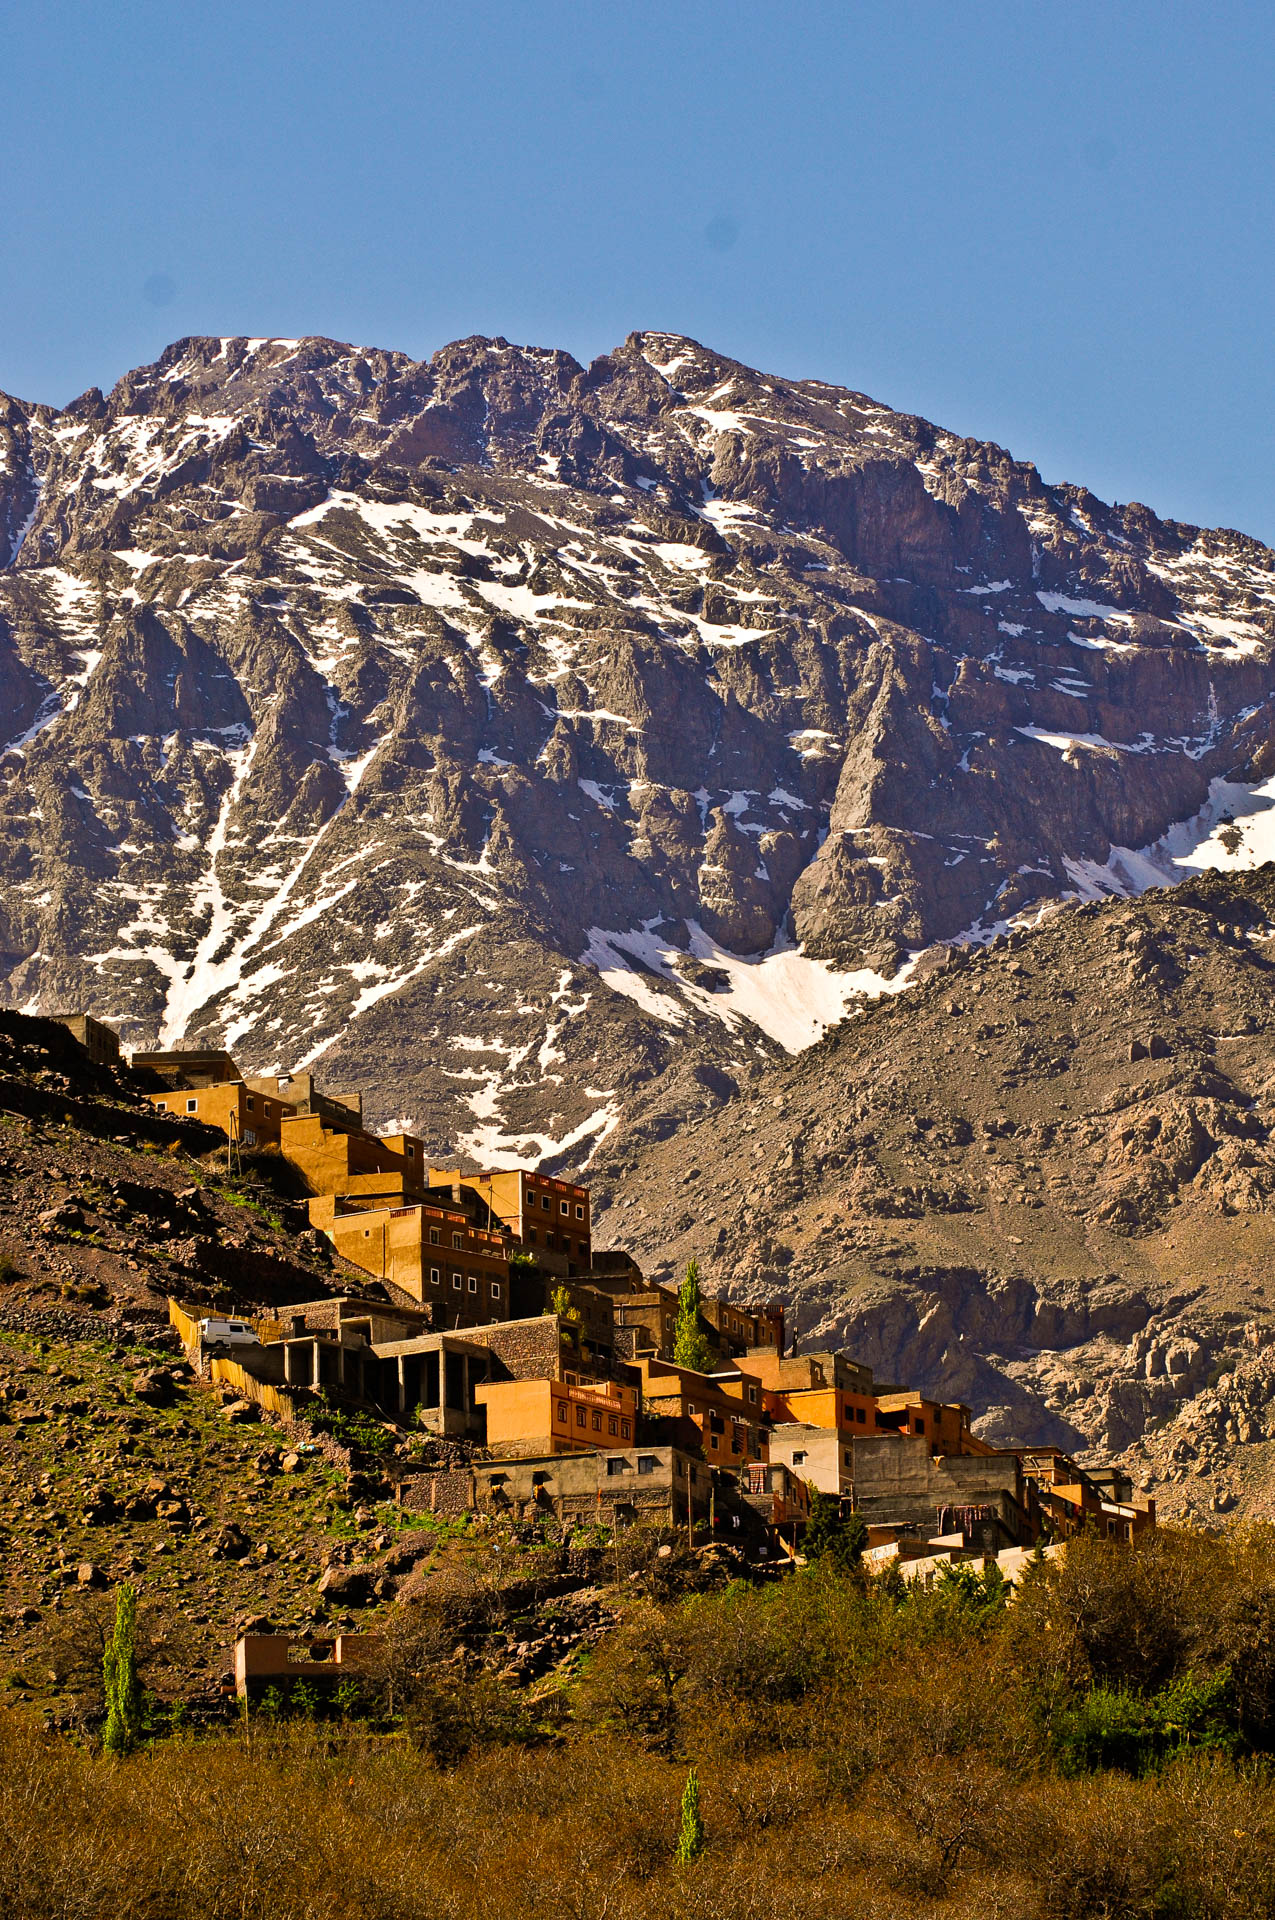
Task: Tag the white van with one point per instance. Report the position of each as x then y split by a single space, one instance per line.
227 1333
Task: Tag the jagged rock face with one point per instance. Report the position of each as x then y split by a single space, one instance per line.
1041 1180
491 729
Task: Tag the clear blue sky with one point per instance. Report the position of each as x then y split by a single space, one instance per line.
1044 224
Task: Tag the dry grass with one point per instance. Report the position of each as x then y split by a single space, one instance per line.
857 1754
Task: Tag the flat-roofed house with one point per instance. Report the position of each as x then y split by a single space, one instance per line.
253 1119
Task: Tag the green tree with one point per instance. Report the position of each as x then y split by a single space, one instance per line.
832 1537
690 1841
123 1691
560 1303
690 1348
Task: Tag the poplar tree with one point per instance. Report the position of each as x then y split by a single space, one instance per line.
690 1841
123 1727
690 1348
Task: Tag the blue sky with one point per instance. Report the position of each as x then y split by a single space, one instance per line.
1047 225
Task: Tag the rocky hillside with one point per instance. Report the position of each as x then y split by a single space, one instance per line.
549 748
1042 1180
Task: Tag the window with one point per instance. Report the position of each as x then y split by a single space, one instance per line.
752 1395
545 1202
582 1418
285 1080
539 1479
918 1426
799 1459
410 1151
624 1429
597 1423
563 1207
690 1407
458 1241
495 1289
616 1466
531 1235
579 1213
613 1425
859 1415
250 1101
562 1410
250 1136
367 1233
647 1463
433 1236
192 1106
457 1282
473 1283
433 1276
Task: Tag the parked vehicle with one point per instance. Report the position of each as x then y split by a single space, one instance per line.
227 1333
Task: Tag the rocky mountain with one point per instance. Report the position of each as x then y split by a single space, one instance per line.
1042 1181
550 750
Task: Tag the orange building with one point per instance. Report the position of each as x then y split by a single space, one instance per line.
548 1217
551 1416
433 1252
1072 1502
706 1411
253 1119
349 1161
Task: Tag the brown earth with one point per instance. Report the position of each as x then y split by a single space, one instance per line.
1040 1179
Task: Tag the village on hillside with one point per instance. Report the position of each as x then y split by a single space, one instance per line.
557 1381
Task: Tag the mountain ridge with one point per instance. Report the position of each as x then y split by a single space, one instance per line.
497 728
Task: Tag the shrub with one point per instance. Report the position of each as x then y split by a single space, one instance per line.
1114 1727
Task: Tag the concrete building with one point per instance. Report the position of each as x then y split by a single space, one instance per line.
983 1502
655 1486
1074 1500
302 1094
189 1067
337 1159
100 1043
700 1411
432 1251
823 1456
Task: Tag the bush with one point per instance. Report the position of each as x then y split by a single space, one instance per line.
1113 1727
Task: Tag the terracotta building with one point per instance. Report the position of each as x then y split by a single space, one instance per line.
550 1416
547 1217
699 1411
434 1252
252 1119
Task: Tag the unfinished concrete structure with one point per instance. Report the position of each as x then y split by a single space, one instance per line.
264 1660
985 1499
656 1486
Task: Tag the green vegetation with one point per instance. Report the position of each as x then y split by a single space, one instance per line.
830 1535
560 1303
691 1348
120 1685
350 1427
690 1841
